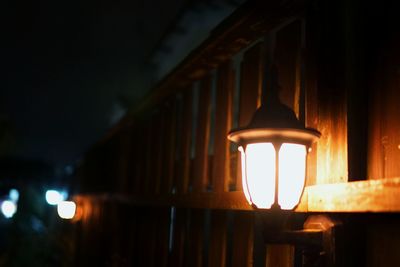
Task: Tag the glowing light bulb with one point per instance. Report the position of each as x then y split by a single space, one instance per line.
66 209
8 208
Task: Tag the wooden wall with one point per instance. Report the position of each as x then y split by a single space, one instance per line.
174 146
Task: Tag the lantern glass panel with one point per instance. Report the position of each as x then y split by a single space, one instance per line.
292 173
244 180
260 174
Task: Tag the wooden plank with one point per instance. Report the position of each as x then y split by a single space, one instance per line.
384 138
250 92
382 245
179 236
139 159
196 238
250 84
123 156
360 196
159 147
139 246
287 59
200 163
223 123
357 96
280 256
243 239
332 161
228 200
146 180
311 93
185 135
150 234
217 244
162 228
170 144
132 236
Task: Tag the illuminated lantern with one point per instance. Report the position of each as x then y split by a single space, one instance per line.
274 150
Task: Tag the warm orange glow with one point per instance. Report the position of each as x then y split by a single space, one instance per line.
332 166
260 174
292 173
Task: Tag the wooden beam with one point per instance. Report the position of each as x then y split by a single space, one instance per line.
361 196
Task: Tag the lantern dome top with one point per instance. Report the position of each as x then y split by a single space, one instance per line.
276 123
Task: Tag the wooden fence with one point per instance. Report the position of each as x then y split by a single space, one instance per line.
164 187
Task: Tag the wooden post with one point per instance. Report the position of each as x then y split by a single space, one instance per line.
250 92
280 256
223 124
185 136
243 227
217 245
200 168
170 147
196 238
178 242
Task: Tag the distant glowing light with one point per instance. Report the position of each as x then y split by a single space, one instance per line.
54 197
8 208
66 209
13 195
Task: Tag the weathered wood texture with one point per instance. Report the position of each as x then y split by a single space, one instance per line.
217 244
364 196
221 178
170 141
327 101
384 138
196 237
360 196
185 136
382 245
243 234
287 59
280 256
200 162
178 243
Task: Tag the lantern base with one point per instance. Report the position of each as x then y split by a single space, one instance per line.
315 241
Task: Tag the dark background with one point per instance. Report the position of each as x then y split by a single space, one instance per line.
71 69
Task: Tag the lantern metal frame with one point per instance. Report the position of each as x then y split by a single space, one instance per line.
274 123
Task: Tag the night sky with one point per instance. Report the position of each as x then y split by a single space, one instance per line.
70 67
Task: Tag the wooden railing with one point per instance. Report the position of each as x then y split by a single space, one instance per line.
164 187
